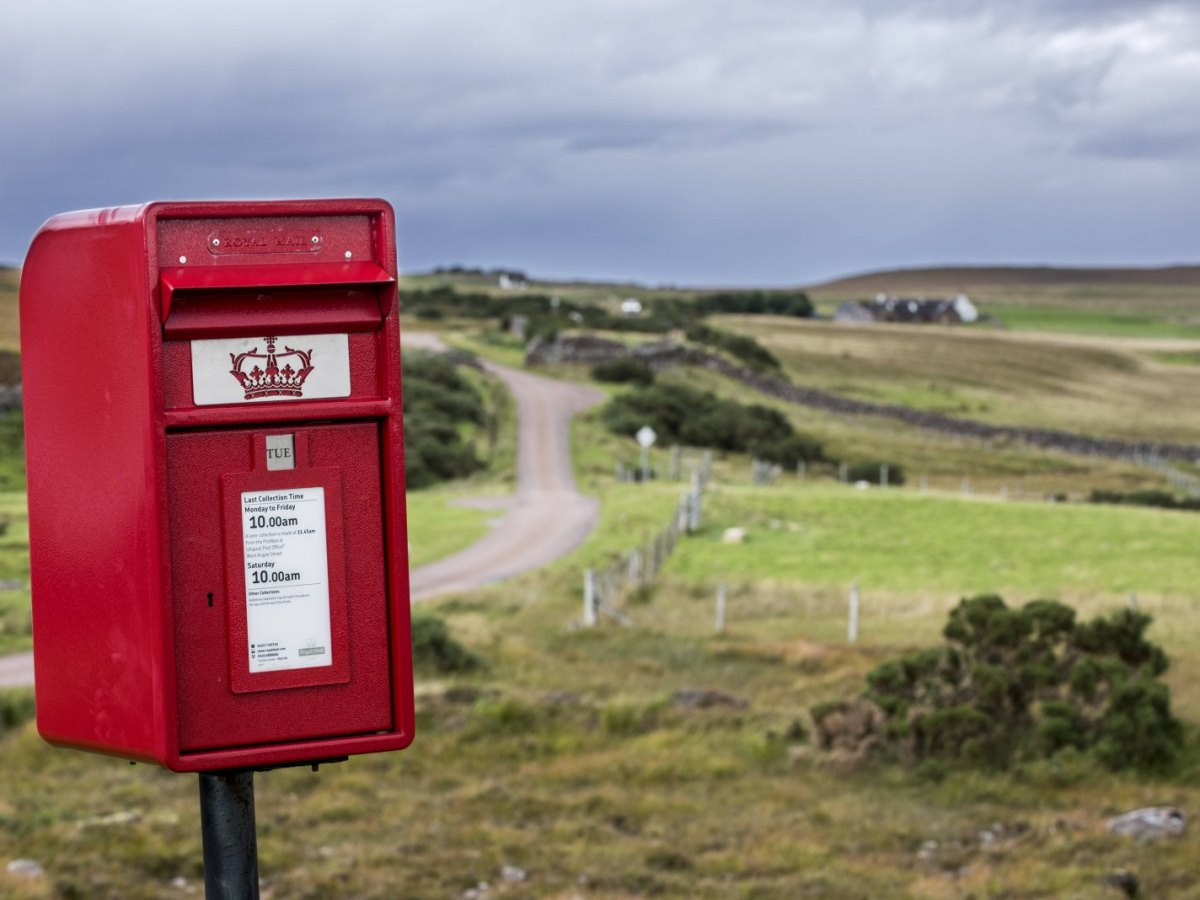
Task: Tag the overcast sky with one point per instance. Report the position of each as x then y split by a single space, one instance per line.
685 141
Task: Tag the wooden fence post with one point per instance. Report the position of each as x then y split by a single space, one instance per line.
589 598
852 624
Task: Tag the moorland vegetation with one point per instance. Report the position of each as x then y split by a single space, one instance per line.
667 758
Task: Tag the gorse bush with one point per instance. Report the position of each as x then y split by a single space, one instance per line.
1026 683
435 650
623 370
684 415
1161 499
775 303
746 349
16 708
438 403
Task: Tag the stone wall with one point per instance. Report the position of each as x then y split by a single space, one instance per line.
662 355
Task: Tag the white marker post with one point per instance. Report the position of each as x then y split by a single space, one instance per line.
646 438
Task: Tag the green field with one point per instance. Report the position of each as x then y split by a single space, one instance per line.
1065 320
902 541
439 524
570 758
572 755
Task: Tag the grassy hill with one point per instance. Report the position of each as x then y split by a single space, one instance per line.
951 278
1142 390
10 329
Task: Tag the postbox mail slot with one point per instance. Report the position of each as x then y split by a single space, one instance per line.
227 301
280 599
210 314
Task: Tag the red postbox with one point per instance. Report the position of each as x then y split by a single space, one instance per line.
216 483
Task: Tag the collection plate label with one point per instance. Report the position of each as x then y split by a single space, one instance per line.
287 579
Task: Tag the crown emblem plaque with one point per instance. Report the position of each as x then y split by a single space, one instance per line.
274 374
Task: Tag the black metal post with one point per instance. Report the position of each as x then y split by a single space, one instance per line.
227 830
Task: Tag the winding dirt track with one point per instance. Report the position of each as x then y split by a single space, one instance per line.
545 520
548 517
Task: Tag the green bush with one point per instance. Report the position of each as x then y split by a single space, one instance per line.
872 472
684 415
789 451
434 650
1161 499
623 370
438 403
16 708
12 451
746 349
1013 684
776 303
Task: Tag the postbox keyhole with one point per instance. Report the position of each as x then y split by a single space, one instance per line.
210 599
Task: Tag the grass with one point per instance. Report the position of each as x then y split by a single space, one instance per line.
10 329
1105 388
569 759
903 541
440 524
15 621
1065 320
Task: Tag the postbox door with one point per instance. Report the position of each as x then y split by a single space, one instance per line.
280 592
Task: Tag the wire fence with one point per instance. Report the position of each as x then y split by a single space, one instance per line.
604 587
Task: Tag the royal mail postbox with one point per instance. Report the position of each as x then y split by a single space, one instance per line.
216 483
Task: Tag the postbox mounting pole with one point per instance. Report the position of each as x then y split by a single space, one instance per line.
228 833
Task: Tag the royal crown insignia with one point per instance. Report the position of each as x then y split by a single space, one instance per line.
268 379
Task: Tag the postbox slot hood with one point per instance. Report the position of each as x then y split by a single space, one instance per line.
227 301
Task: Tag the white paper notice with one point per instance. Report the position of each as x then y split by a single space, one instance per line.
287 579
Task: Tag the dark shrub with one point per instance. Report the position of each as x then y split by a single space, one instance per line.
16 708
1161 499
777 303
746 349
434 650
623 371
1030 682
789 451
683 415
438 402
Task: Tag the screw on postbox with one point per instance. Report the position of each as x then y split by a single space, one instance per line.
216 484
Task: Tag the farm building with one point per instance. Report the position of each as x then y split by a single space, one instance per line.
885 308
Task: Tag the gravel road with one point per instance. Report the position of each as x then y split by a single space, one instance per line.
547 517
543 521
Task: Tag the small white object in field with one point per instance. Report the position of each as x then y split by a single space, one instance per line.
734 536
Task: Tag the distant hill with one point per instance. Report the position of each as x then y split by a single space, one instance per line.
947 279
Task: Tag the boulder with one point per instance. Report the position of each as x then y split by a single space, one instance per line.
1150 823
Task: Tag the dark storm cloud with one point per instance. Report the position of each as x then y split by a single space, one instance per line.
768 140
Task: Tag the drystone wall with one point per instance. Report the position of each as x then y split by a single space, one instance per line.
662 355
